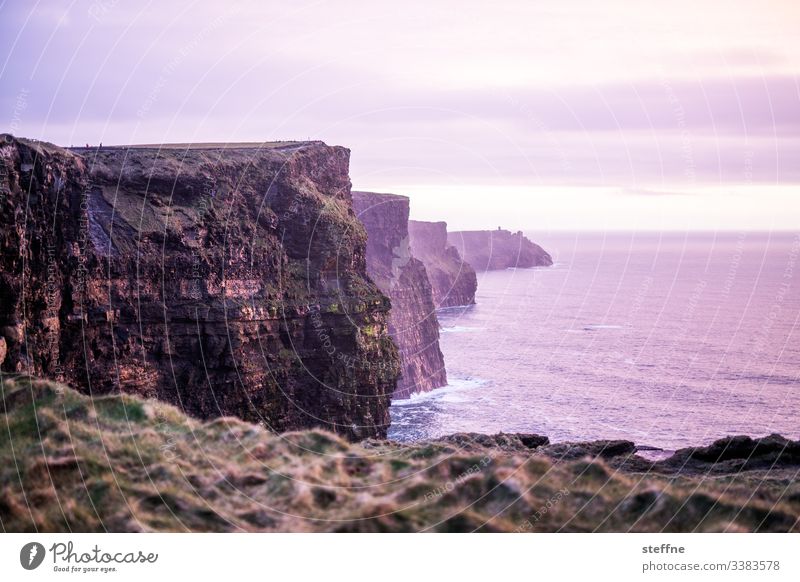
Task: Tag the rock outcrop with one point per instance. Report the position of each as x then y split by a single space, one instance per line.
488 250
229 281
453 280
734 453
412 322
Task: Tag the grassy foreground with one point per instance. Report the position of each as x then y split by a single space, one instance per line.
118 463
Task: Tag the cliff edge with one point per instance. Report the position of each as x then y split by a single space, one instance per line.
412 321
453 280
488 250
228 281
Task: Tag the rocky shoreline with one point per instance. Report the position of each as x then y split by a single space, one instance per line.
120 463
228 279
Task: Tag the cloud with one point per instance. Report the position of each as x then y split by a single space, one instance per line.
446 101
651 192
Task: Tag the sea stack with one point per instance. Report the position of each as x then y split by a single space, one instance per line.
226 280
453 280
412 320
488 250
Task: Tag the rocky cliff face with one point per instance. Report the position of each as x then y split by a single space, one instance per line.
452 279
488 250
412 321
226 281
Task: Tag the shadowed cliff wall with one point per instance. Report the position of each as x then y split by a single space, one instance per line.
224 280
412 321
452 279
488 250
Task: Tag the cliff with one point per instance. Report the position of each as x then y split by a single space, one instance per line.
118 463
224 280
488 250
453 280
412 321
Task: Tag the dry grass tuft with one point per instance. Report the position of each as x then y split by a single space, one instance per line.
118 463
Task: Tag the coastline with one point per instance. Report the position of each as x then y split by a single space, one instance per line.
594 348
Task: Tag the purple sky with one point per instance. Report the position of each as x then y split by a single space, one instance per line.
546 115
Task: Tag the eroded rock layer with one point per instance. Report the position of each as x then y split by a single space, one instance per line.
488 250
224 280
453 280
412 322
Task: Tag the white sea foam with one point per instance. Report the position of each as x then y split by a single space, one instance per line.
460 329
455 385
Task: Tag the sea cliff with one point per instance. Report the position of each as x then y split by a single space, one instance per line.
412 320
226 280
488 250
453 280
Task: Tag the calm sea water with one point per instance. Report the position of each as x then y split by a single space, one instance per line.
667 340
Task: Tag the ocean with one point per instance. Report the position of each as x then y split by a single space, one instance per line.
668 340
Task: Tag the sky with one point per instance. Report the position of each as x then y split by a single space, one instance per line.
546 115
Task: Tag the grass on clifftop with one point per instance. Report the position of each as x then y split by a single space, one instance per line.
117 463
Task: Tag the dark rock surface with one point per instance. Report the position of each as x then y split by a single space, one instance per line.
224 280
412 321
724 456
736 453
514 442
453 280
594 449
488 250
